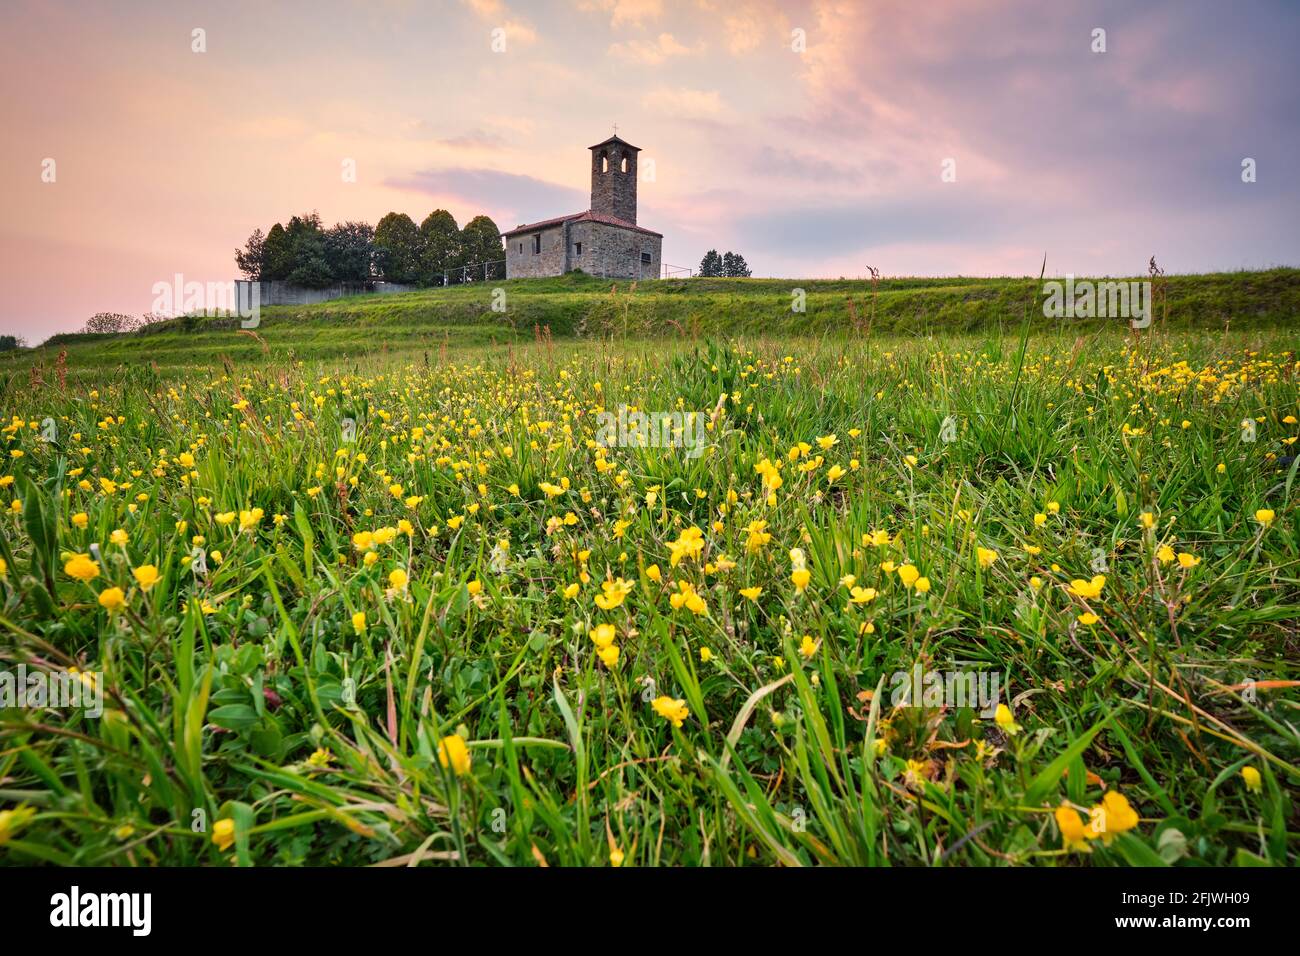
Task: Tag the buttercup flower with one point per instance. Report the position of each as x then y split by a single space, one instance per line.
672 710
112 599
146 576
80 566
1252 778
454 754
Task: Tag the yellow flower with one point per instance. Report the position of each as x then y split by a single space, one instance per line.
119 538
1087 589
359 622
1040 519
801 579
1074 832
1251 776
908 575
146 576
612 594
808 647
13 820
1187 560
751 593
571 591
922 585
223 833
80 566
80 520
474 587
834 473
671 710
615 857
654 574
453 754
687 596
112 599
1265 516
1148 520
603 635
397 579
1088 619
861 595
1002 717
689 544
986 556
1165 554
706 655
1112 816
455 521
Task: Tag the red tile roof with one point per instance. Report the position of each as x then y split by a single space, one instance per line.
585 216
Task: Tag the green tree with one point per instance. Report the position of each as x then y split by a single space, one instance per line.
734 266
349 249
397 248
441 246
480 243
252 258
711 265
277 254
307 239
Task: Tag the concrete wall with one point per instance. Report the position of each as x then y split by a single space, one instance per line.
282 293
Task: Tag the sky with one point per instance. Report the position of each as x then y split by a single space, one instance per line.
817 138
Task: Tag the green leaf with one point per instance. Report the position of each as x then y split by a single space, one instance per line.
1047 778
234 716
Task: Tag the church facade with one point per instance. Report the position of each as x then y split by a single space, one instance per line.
603 240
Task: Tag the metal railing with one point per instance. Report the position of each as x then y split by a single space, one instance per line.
493 271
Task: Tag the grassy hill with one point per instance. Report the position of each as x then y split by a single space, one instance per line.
582 306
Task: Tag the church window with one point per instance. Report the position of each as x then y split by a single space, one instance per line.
537 244
623 167
604 163
577 248
645 258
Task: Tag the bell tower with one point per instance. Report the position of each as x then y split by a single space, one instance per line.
613 179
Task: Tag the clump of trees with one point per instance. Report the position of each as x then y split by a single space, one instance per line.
307 254
730 265
105 323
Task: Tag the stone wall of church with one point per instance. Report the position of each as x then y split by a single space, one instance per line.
523 263
594 247
612 252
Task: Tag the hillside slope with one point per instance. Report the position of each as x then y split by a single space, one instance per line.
578 305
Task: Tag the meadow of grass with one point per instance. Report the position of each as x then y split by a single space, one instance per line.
577 306
412 610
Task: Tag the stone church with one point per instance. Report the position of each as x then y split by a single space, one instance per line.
601 241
